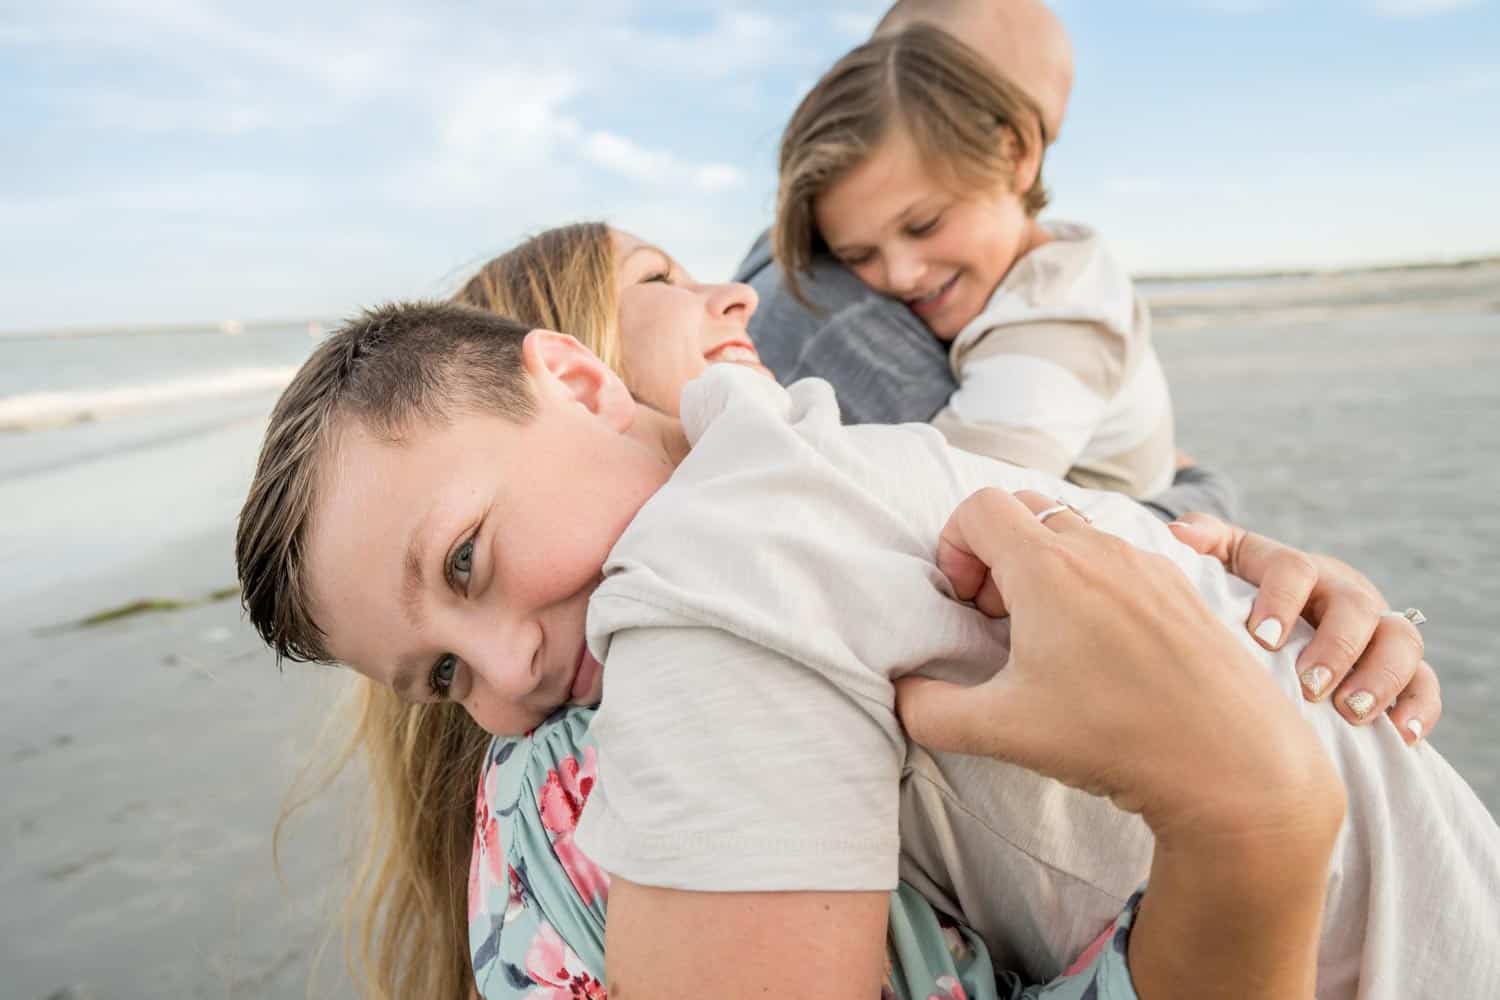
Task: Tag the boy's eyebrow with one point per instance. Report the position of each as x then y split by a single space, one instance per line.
903 216
411 579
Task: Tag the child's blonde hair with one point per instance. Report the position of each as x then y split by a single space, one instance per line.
406 916
970 124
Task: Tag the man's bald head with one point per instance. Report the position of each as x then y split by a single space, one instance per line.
1023 39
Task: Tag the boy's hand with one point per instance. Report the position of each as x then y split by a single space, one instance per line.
1355 649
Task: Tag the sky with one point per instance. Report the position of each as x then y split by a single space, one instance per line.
171 161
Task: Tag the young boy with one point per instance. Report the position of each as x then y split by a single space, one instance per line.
452 505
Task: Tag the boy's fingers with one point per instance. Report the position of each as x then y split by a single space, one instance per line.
1419 707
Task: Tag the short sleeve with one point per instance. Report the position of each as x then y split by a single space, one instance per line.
1102 972
536 902
1033 394
727 766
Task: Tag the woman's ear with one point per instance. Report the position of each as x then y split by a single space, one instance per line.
561 366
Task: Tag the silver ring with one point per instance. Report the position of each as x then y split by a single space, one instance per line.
1413 615
1058 508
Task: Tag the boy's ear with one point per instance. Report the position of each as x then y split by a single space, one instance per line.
561 365
1026 154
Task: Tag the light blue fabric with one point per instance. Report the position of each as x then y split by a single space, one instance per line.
537 905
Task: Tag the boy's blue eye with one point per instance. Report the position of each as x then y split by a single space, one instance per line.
463 558
441 678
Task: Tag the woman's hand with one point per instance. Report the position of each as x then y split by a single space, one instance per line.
1122 682
1363 659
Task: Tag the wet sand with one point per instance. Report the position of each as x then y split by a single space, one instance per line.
143 761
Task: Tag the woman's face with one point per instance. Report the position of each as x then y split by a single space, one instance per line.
672 327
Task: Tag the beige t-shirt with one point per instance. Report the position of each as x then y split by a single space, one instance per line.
1058 372
751 620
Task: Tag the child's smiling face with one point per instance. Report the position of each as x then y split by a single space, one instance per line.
907 234
457 562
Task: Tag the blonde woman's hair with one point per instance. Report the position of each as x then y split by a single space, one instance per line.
971 126
405 921
562 279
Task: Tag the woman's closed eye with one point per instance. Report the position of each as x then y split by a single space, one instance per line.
665 277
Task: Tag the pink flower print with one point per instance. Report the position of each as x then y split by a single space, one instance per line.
487 859
562 799
558 973
1091 952
515 900
951 989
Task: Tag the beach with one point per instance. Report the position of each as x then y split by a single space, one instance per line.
144 757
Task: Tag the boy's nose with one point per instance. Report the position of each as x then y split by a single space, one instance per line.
732 299
903 272
508 665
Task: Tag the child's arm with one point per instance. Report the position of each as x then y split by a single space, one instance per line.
1033 394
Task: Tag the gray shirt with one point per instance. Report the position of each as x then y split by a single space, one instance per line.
885 365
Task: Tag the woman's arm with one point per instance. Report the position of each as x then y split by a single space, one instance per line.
744 944
1121 682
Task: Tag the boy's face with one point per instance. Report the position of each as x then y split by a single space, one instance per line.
458 562
908 235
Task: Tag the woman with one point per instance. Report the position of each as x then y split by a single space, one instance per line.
424 757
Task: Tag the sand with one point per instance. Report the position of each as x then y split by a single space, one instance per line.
142 761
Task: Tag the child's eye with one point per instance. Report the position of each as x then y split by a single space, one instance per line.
441 678
855 259
924 228
462 563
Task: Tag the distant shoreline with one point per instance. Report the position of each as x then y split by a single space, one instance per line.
1195 277
1189 278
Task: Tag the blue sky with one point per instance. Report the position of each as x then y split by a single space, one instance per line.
178 161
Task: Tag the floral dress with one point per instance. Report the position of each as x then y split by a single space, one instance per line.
537 903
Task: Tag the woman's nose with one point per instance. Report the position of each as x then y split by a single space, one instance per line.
732 299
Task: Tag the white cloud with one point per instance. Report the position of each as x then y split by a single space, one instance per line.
1420 8
630 159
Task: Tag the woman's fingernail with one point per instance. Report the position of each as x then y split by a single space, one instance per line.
1268 632
1414 726
1360 703
1315 679
1178 524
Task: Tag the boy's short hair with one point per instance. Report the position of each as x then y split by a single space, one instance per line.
387 368
955 106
